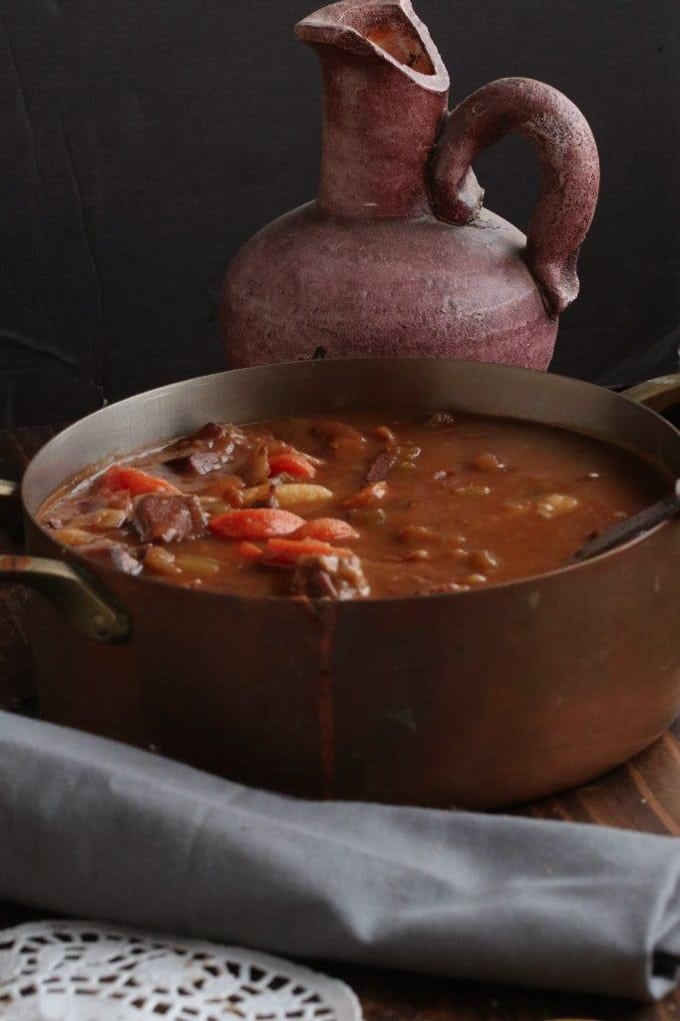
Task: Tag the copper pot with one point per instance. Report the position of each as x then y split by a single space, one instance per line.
477 699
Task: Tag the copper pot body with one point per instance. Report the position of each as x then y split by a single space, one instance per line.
477 699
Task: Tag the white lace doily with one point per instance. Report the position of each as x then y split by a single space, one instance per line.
78 971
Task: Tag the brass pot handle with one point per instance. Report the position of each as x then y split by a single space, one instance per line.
658 394
8 488
88 610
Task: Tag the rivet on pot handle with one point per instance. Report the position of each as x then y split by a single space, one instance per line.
570 172
658 394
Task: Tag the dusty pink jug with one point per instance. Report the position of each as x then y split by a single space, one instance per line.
397 255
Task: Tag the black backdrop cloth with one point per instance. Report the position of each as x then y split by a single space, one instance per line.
143 141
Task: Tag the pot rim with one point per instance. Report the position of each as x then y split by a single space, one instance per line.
70 554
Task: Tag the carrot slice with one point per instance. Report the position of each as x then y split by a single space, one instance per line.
291 464
255 523
120 476
326 529
249 551
369 494
289 551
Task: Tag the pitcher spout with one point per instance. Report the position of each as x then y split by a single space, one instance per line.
383 29
385 94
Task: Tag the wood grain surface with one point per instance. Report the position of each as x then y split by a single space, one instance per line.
642 795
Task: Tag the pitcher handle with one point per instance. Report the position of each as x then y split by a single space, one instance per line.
569 165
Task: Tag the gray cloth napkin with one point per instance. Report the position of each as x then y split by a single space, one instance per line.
97 830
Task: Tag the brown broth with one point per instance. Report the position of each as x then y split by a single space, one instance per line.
484 524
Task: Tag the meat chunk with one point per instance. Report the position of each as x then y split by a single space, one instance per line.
201 462
440 420
160 518
330 577
206 450
209 432
111 554
341 437
332 429
380 467
315 583
255 470
370 494
444 589
119 499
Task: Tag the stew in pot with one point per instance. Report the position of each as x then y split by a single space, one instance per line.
355 505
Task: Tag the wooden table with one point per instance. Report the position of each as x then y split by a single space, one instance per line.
643 795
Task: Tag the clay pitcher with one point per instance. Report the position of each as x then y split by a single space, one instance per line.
397 255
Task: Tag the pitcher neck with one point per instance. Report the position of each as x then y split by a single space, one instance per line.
379 128
385 93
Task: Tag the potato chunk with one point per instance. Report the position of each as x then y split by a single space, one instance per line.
303 495
555 505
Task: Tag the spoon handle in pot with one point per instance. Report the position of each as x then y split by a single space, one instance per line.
633 526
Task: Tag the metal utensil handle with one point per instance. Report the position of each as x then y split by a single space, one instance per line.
90 611
570 170
657 394
636 524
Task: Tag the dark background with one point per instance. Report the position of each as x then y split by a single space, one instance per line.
143 141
